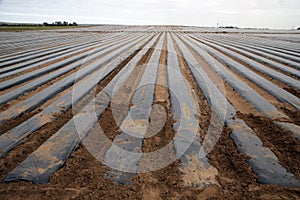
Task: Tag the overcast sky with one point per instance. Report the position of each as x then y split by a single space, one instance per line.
249 13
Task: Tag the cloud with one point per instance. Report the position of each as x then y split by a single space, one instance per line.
259 13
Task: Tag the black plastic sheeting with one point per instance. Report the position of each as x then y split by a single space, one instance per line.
15 136
56 73
38 59
124 156
282 55
282 44
261 104
52 155
281 94
187 142
258 58
266 50
239 86
37 62
259 67
267 55
46 94
17 44
36 73
262 160
43 46
294 129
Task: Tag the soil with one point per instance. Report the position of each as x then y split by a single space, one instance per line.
83 176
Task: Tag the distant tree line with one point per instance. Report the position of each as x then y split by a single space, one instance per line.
58 23
15 24
229 27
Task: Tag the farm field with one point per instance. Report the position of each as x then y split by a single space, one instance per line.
32 28
150 112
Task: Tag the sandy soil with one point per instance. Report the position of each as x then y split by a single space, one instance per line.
83 176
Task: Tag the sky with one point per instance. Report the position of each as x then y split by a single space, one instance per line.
279 14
